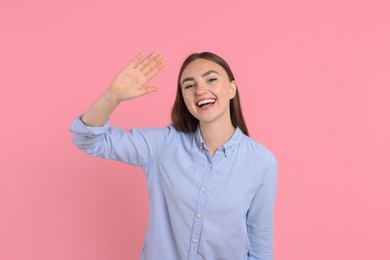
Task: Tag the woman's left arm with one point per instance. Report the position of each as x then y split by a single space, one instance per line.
260 217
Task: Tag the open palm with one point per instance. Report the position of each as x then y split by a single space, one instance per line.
130 82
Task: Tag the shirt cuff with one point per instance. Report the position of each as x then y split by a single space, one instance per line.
78 127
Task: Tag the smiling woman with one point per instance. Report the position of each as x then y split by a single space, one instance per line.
211 187
181 117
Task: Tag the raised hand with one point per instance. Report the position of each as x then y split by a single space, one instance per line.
130 82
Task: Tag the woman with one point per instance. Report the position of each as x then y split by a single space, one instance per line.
211 188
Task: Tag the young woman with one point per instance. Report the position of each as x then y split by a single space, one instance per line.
211 188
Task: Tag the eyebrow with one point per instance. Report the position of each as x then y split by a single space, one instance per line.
203 75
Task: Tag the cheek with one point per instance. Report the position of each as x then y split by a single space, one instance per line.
226 93
187 100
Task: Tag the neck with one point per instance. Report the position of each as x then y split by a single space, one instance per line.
215 135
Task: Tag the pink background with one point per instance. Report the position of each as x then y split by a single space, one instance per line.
314 80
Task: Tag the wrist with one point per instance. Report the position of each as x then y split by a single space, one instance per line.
111 97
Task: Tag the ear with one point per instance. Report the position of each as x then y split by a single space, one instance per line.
233 89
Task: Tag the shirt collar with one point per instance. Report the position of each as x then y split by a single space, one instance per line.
226 147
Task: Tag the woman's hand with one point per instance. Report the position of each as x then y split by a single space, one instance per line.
130 82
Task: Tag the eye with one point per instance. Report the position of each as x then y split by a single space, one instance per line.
211 80
188 86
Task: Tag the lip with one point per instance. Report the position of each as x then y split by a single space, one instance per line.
197 101
206 107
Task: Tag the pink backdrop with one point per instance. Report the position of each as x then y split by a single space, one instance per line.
314 80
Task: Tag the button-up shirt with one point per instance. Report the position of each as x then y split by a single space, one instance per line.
200 206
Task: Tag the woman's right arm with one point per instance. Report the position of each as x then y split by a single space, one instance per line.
92 133
128 84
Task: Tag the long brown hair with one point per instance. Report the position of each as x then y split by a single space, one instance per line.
183 120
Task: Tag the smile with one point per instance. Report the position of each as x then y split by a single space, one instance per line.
205 102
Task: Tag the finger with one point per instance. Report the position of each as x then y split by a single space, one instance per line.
156 63
148 90
153 63
136 59
154 71
146 61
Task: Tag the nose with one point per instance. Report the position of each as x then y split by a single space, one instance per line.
200 89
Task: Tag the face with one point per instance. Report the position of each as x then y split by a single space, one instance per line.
207 91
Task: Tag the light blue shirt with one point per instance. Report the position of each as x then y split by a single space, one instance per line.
200 206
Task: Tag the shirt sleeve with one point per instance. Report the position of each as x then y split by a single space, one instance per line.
137 146
260 217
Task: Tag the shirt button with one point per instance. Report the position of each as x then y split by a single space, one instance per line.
204 190
210 165
198 215
194 241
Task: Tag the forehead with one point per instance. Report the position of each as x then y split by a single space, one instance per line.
200 66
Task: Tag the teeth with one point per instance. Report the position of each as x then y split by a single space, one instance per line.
202 102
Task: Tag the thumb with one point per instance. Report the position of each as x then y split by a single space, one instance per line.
150 89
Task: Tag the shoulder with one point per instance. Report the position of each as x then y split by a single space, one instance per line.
168 133
260 154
